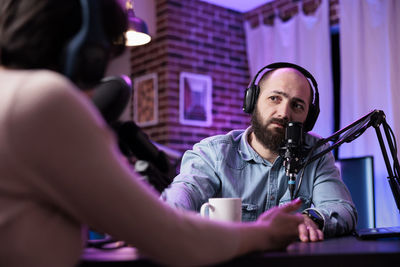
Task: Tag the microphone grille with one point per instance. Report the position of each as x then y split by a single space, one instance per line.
294 133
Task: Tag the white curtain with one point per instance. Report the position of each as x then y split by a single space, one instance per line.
370 79
303 40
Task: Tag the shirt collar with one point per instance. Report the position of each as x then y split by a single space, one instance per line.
246 151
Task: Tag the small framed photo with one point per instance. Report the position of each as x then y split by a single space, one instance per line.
146 100
195 103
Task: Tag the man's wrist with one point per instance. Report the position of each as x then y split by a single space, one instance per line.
315 217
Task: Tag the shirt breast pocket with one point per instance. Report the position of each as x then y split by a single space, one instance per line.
249 212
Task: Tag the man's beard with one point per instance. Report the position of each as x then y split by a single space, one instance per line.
271 139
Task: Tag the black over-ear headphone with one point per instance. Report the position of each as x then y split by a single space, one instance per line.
86 54
252 92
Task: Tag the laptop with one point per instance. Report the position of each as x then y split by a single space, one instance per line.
379 232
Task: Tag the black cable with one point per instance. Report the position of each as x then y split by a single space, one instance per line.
393 138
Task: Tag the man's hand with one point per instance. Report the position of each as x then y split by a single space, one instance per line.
309 231
282 224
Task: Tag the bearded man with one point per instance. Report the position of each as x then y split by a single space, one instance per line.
247 164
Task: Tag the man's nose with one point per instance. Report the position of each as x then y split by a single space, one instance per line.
284 111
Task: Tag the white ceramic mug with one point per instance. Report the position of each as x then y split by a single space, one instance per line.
223 209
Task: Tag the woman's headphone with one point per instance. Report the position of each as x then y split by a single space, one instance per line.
86 55
252 92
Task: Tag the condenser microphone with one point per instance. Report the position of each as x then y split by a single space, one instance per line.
292 158
111 96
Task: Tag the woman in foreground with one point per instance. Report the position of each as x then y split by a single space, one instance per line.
60 164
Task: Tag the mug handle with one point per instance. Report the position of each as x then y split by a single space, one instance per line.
203 209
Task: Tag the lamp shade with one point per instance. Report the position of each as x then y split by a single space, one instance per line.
137 33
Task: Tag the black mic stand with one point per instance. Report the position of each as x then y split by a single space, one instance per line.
292 165
291 153
375 119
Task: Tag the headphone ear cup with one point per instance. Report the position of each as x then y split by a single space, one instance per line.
250 98
311 118
86 55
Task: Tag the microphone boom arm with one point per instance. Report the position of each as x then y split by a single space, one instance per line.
375 118
349 138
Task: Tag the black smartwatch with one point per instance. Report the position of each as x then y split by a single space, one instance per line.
315 217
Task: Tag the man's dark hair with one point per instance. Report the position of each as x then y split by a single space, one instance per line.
33 34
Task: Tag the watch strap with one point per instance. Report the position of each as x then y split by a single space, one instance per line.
315 217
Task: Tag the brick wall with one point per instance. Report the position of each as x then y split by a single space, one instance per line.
197 37
285 9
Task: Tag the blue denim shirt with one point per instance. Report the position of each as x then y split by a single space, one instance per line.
227 166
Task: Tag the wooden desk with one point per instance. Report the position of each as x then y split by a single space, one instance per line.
338 252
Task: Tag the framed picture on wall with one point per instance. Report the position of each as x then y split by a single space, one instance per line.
145 104
195 103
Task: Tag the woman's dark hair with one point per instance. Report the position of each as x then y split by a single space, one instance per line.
33 34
